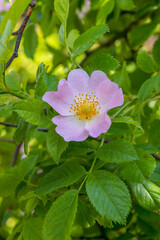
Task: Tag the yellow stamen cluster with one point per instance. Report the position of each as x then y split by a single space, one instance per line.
86 106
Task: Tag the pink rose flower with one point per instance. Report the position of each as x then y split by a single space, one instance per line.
82 103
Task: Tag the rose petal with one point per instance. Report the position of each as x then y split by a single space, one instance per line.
78 79
109 95
70 128
95 79
61 100
99 124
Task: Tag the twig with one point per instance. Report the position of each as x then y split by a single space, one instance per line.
14 125
7 140
42 129
8 124
15 154
19 33
91 238
156 156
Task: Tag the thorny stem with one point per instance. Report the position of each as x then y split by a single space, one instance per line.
14 125
19 33
15 154
7 140
156 156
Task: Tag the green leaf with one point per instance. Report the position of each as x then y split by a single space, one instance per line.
88 38
62 10
40 87
60 217
155 177
84 216
140 34
145 62
44 81
117 151
102 61
30 132
31 205
118 129
3 56
147 194
80 148
51 82
30 41
62 176
105 9
122 78
20 131
5 37
140 169
96 4
2 70
61 35
17 230
18 7
32 111
127 5
155 51
13 81
103 221
128 120
32 229
154 133
9 181
12 177
109 195
26 164
6 99
149 87
28 195
55 144
72 36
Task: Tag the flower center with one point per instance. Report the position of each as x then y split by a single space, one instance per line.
86 106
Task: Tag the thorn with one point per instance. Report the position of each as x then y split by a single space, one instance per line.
32 4
15 54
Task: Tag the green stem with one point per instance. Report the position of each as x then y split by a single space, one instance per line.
78 65
65 40
84 180
92 166
90 171
17 94
122 108
102 141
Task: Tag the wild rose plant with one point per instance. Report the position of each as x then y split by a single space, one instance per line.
79 162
